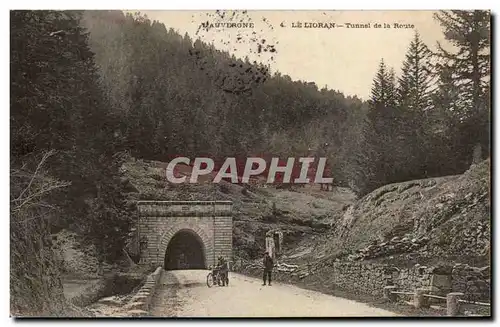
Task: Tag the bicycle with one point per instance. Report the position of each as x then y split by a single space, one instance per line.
214 277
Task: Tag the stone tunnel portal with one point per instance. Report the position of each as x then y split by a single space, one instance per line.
181 234
185 251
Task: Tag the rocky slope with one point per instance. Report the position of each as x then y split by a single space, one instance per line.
437 219
402 234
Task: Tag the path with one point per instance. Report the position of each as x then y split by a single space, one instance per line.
183 293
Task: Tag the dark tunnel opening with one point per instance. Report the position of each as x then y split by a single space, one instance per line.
185 251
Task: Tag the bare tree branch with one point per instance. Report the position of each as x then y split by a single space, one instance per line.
34 189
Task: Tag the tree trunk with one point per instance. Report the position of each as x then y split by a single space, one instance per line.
477 154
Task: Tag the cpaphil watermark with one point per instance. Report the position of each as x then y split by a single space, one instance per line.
302 170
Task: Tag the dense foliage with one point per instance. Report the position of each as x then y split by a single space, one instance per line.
434 120
58 108
86 86
179 97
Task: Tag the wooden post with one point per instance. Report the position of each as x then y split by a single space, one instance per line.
452 304
388 293
419 300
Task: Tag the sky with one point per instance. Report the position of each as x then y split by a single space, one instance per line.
344 59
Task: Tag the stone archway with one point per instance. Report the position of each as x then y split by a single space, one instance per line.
185 250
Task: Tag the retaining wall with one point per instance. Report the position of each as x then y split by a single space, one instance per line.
140 304
371 278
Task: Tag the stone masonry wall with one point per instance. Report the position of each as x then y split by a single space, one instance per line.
370 278
223 237
355 277
159 221
474 282
360 277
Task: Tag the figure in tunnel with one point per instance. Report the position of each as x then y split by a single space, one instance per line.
184 251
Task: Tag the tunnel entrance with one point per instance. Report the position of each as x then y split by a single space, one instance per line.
185 251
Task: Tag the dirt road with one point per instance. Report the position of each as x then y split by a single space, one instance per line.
185 294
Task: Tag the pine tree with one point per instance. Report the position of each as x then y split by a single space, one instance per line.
380 129
415 83
392 100
361 169
414 97
469 32
383 98
469 66
383 87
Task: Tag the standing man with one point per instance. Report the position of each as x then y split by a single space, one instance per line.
268 268
225 271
